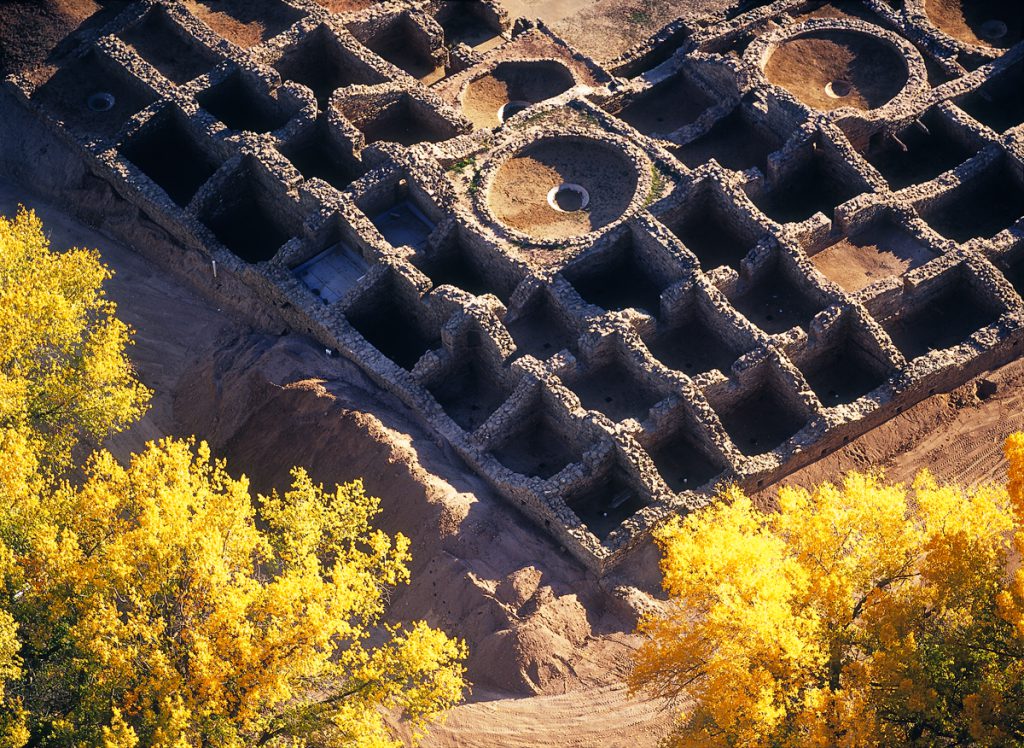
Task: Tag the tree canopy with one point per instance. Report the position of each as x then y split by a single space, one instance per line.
858 614
159 603
65 377
156 612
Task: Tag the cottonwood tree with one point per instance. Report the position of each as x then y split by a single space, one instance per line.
65 377
158 603
65 380
157 612
858 614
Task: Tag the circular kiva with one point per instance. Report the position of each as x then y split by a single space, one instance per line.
836 67
983 23
568 197
487 99
562 187
101 101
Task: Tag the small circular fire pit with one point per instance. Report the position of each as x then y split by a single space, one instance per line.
101 101
568 197
838 89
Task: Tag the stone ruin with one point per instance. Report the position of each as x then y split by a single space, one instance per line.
608 289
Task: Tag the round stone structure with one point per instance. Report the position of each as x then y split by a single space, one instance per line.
511 86
831 64
563 187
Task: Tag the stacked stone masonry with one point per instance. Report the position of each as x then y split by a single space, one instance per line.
803 217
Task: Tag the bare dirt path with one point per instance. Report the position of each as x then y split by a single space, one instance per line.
605 717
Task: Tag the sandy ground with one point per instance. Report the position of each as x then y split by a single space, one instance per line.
605 717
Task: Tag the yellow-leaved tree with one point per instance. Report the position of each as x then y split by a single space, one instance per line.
64 374
158 613
858 614
158 603
64 380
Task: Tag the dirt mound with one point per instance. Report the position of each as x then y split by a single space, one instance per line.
829 69
535 621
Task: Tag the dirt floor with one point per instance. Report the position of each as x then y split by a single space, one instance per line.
666 107
733 143
855 262
978 21
859 70
528 82
519 191
345 6
158 41
66 94
244 22
604 29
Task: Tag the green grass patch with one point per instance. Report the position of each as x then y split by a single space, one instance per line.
658 184
462 163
